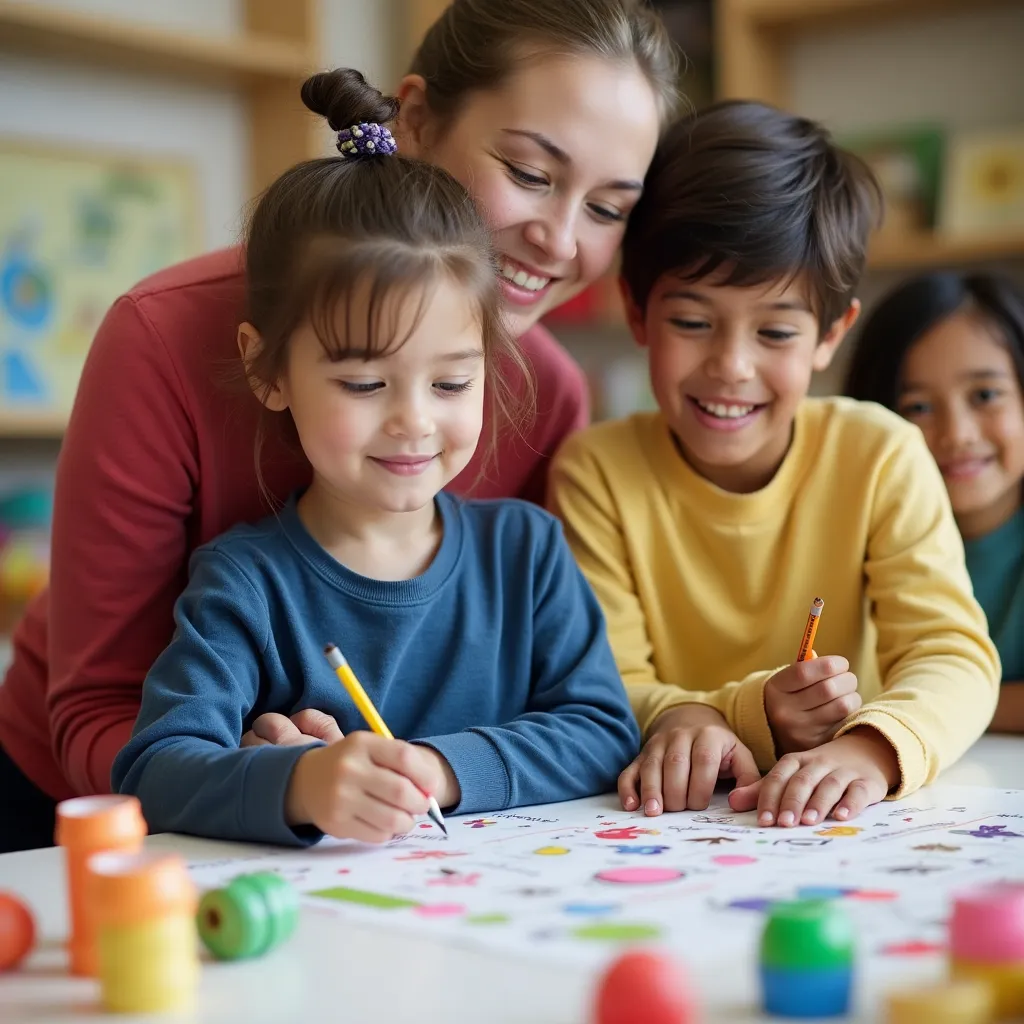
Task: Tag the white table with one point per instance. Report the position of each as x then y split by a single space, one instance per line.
335 971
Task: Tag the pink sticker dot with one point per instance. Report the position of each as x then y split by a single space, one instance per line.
871 895
639 876
440 910
344 871
425 825
734 860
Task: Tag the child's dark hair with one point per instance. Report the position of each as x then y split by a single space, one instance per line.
914 308
387 224
759 195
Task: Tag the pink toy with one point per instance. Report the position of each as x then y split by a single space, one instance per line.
988 925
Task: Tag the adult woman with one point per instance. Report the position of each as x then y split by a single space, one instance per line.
549 114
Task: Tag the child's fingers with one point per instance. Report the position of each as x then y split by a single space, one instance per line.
317 725
403 758
799 789
705 760
357 828
743 766
395 790
745 798
629 780
383 817
825 796
677 771
275 730
835 710
772 787
651 766
858 796
826 690
802 674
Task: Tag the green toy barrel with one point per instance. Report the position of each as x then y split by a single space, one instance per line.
249 917
807 934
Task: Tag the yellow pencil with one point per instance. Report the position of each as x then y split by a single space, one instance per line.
807 642
362 701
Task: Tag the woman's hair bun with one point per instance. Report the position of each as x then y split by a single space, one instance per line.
345 98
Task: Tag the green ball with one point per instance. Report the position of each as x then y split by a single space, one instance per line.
807 934
249 917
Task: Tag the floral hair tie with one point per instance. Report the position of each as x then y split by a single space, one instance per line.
366 139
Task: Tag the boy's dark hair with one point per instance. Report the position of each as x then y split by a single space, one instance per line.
913 309
759 194
385 226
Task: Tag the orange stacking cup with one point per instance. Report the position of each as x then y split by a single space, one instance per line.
86 826
144 905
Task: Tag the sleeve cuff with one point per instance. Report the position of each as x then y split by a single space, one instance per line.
910 752
750 720
483 778
263 798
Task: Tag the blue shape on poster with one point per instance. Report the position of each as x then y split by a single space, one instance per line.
822 892
26 293
590 909
757 903
644 851
987 832
20 381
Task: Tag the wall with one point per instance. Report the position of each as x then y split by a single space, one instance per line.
83 105
70 105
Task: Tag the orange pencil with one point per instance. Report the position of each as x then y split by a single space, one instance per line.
807 643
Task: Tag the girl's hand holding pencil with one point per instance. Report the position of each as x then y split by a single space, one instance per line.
364 787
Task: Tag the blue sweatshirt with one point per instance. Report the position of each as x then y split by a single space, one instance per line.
496 656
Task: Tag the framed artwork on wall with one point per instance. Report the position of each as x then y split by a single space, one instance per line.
77 229
983 191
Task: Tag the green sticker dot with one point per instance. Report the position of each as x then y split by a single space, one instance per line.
617 932
488 919
367 899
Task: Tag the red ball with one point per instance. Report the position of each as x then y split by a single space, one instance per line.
644 988
17 931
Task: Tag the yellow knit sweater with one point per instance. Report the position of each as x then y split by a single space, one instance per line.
706 592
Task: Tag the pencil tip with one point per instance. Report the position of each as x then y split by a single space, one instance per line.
328 648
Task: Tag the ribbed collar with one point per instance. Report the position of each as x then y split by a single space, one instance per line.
677 474
385 592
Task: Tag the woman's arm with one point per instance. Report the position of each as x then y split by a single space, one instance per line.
124 494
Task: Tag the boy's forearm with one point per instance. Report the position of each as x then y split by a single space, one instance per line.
1009 716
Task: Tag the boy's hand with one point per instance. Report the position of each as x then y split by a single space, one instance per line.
842 777
277 730
363 787
806 702
689 749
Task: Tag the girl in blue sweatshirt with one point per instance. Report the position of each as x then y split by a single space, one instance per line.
373 328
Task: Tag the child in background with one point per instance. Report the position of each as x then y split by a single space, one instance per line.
946 350
374 324
707 528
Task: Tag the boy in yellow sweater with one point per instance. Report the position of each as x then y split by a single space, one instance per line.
707 528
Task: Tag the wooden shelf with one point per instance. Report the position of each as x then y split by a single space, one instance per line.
796 13
751 36
133 47
934 250
31 426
